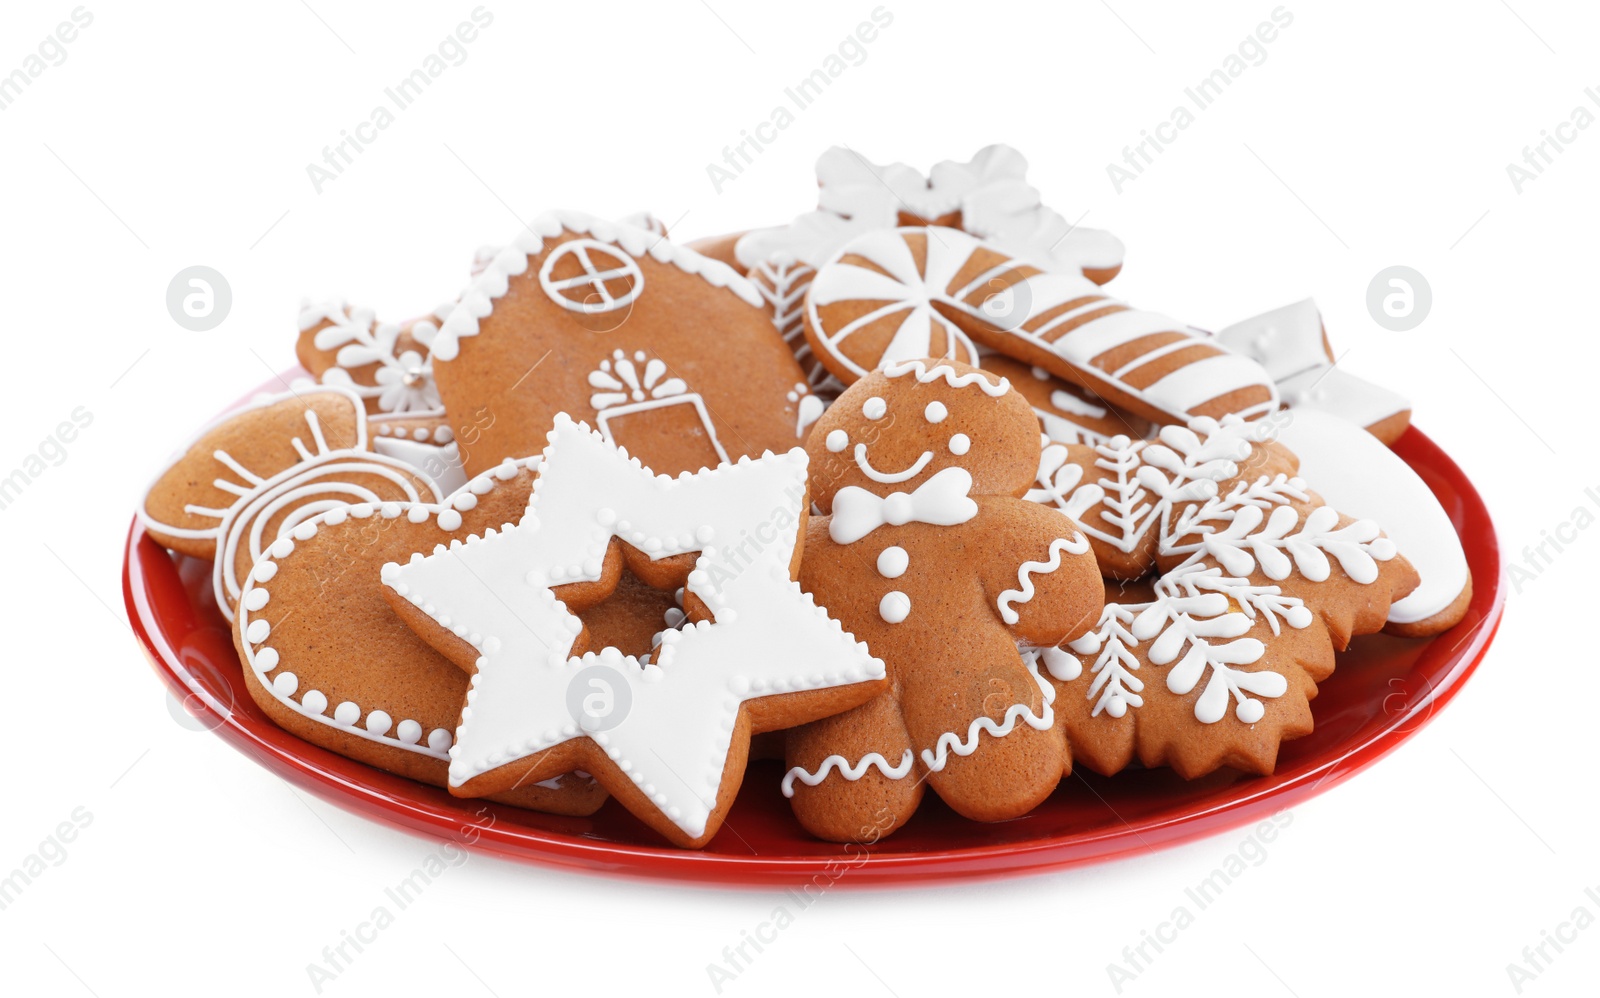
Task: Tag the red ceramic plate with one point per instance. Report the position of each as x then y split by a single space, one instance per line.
1384 691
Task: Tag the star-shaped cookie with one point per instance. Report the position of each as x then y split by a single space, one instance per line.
668 737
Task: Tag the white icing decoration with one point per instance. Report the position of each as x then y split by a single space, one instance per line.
990 191
874 408
248 480
926 375
1077 544
960 444
1289 342
262 659
935 412
943 500
891 477
675 737
908 291
1190 623
1356 473
837 440
478 300
1034 310
936 759
309 489
893 562
894 607
442 463
851 772
782 282
404 381
626 385
1145 481
1240 534
594 277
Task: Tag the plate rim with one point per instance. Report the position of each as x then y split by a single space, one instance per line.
303 764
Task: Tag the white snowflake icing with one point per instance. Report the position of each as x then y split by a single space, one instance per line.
404 380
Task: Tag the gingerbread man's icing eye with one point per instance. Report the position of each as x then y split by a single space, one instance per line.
837 441
874 408
935 412
960 444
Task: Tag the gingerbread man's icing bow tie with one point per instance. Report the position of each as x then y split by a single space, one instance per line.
942 500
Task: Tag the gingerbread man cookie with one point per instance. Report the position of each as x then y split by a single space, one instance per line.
665 352
926 552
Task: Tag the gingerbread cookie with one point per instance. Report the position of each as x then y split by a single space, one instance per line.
668 737
988 196
587 317
1262 582
328 660
926 553
1292 344
1068 413
387 364
893 294
1208 670
1126 509
1356 472
184 507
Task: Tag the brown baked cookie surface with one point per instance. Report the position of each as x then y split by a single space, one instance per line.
667 353
926 552
328 660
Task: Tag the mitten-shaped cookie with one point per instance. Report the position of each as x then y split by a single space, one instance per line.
928 554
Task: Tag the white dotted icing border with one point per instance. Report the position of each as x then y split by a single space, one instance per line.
261 658
382 426
477 302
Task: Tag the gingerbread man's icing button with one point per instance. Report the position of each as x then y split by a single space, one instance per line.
893 562
895 606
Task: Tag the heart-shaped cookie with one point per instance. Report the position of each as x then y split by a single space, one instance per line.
328 660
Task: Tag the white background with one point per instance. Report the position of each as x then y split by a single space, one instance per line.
1373 134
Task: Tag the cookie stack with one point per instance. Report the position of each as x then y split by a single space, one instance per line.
898 480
